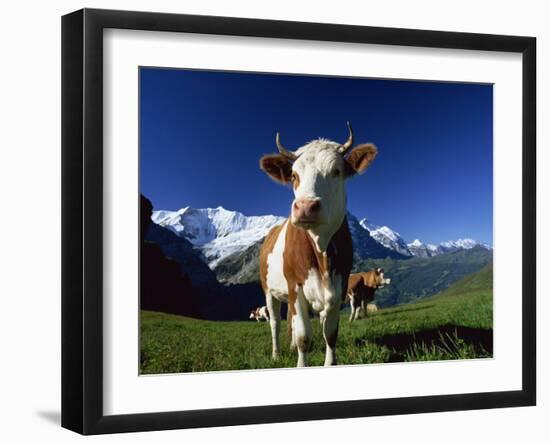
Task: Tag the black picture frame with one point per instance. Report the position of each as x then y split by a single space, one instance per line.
82 218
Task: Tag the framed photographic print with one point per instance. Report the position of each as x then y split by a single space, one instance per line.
298 217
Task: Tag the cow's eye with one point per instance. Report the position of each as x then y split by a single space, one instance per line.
294 177
336 172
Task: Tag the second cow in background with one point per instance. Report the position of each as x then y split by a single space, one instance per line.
361 289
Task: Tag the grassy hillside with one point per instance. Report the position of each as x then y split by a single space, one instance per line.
454 324
421 277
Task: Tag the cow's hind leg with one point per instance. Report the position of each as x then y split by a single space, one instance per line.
301 327
274 308
358 305
329 322
356 308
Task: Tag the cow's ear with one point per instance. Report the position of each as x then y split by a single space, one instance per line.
277 167
360 158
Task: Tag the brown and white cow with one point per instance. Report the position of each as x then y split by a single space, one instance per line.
260 313
306 261
361 289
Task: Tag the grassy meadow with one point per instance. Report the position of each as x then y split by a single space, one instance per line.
454 324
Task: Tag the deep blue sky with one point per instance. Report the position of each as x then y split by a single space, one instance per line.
202 134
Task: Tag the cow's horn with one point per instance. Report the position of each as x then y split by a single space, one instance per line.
349 142
288 154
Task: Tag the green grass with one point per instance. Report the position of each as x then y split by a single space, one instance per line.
454 324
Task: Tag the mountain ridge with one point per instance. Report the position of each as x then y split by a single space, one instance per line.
219 233
225 282
393 240
216 232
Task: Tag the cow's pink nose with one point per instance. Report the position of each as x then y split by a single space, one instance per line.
306 209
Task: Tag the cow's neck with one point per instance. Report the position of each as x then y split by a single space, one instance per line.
322 236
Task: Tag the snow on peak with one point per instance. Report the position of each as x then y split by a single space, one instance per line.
393 240
217 232
388 232
368 225
386 236
464 243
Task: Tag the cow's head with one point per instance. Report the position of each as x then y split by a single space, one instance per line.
252 314
317 172
381 281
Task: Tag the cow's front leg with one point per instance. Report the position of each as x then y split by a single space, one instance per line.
352 307
274 308
301 327
329 322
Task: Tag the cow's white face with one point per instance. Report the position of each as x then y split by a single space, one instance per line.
317 172
381 281
318 177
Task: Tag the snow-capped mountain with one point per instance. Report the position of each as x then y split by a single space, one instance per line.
217 232
365 245
392 239
428 250
462 243
387 237
419 249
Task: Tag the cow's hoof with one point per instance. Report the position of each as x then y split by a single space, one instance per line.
275 356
